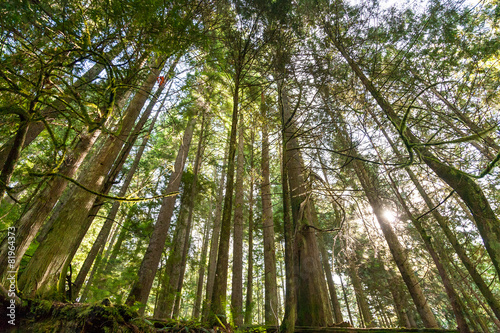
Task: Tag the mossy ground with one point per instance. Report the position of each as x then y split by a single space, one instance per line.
41 316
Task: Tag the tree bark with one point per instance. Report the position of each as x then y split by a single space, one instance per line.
492 301
329 279
100 241
14 153
201 275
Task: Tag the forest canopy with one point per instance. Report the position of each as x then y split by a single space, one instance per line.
249 162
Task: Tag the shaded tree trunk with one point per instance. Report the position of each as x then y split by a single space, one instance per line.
220 282
237 268
100 241
201 274
13 156
329 279
249 288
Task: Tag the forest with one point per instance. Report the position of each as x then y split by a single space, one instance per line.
250 164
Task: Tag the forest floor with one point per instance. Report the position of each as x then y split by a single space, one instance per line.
42 316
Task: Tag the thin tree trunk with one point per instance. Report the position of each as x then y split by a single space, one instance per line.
271 287
249 289
13 156
370 186
149 266
218 300
360 294
214 243
329 279
33 129
237 268
346 300
201 275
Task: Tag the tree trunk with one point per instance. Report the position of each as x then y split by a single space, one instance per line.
201 275
249 289
312 299
110 219
31 221
51 257
217 305
149 266
271 287
237 268
33 129
450 291
214 242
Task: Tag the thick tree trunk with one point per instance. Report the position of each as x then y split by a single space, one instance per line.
237 268
217 305
149 266
249 285
312 299
51 257
271 287
465 186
